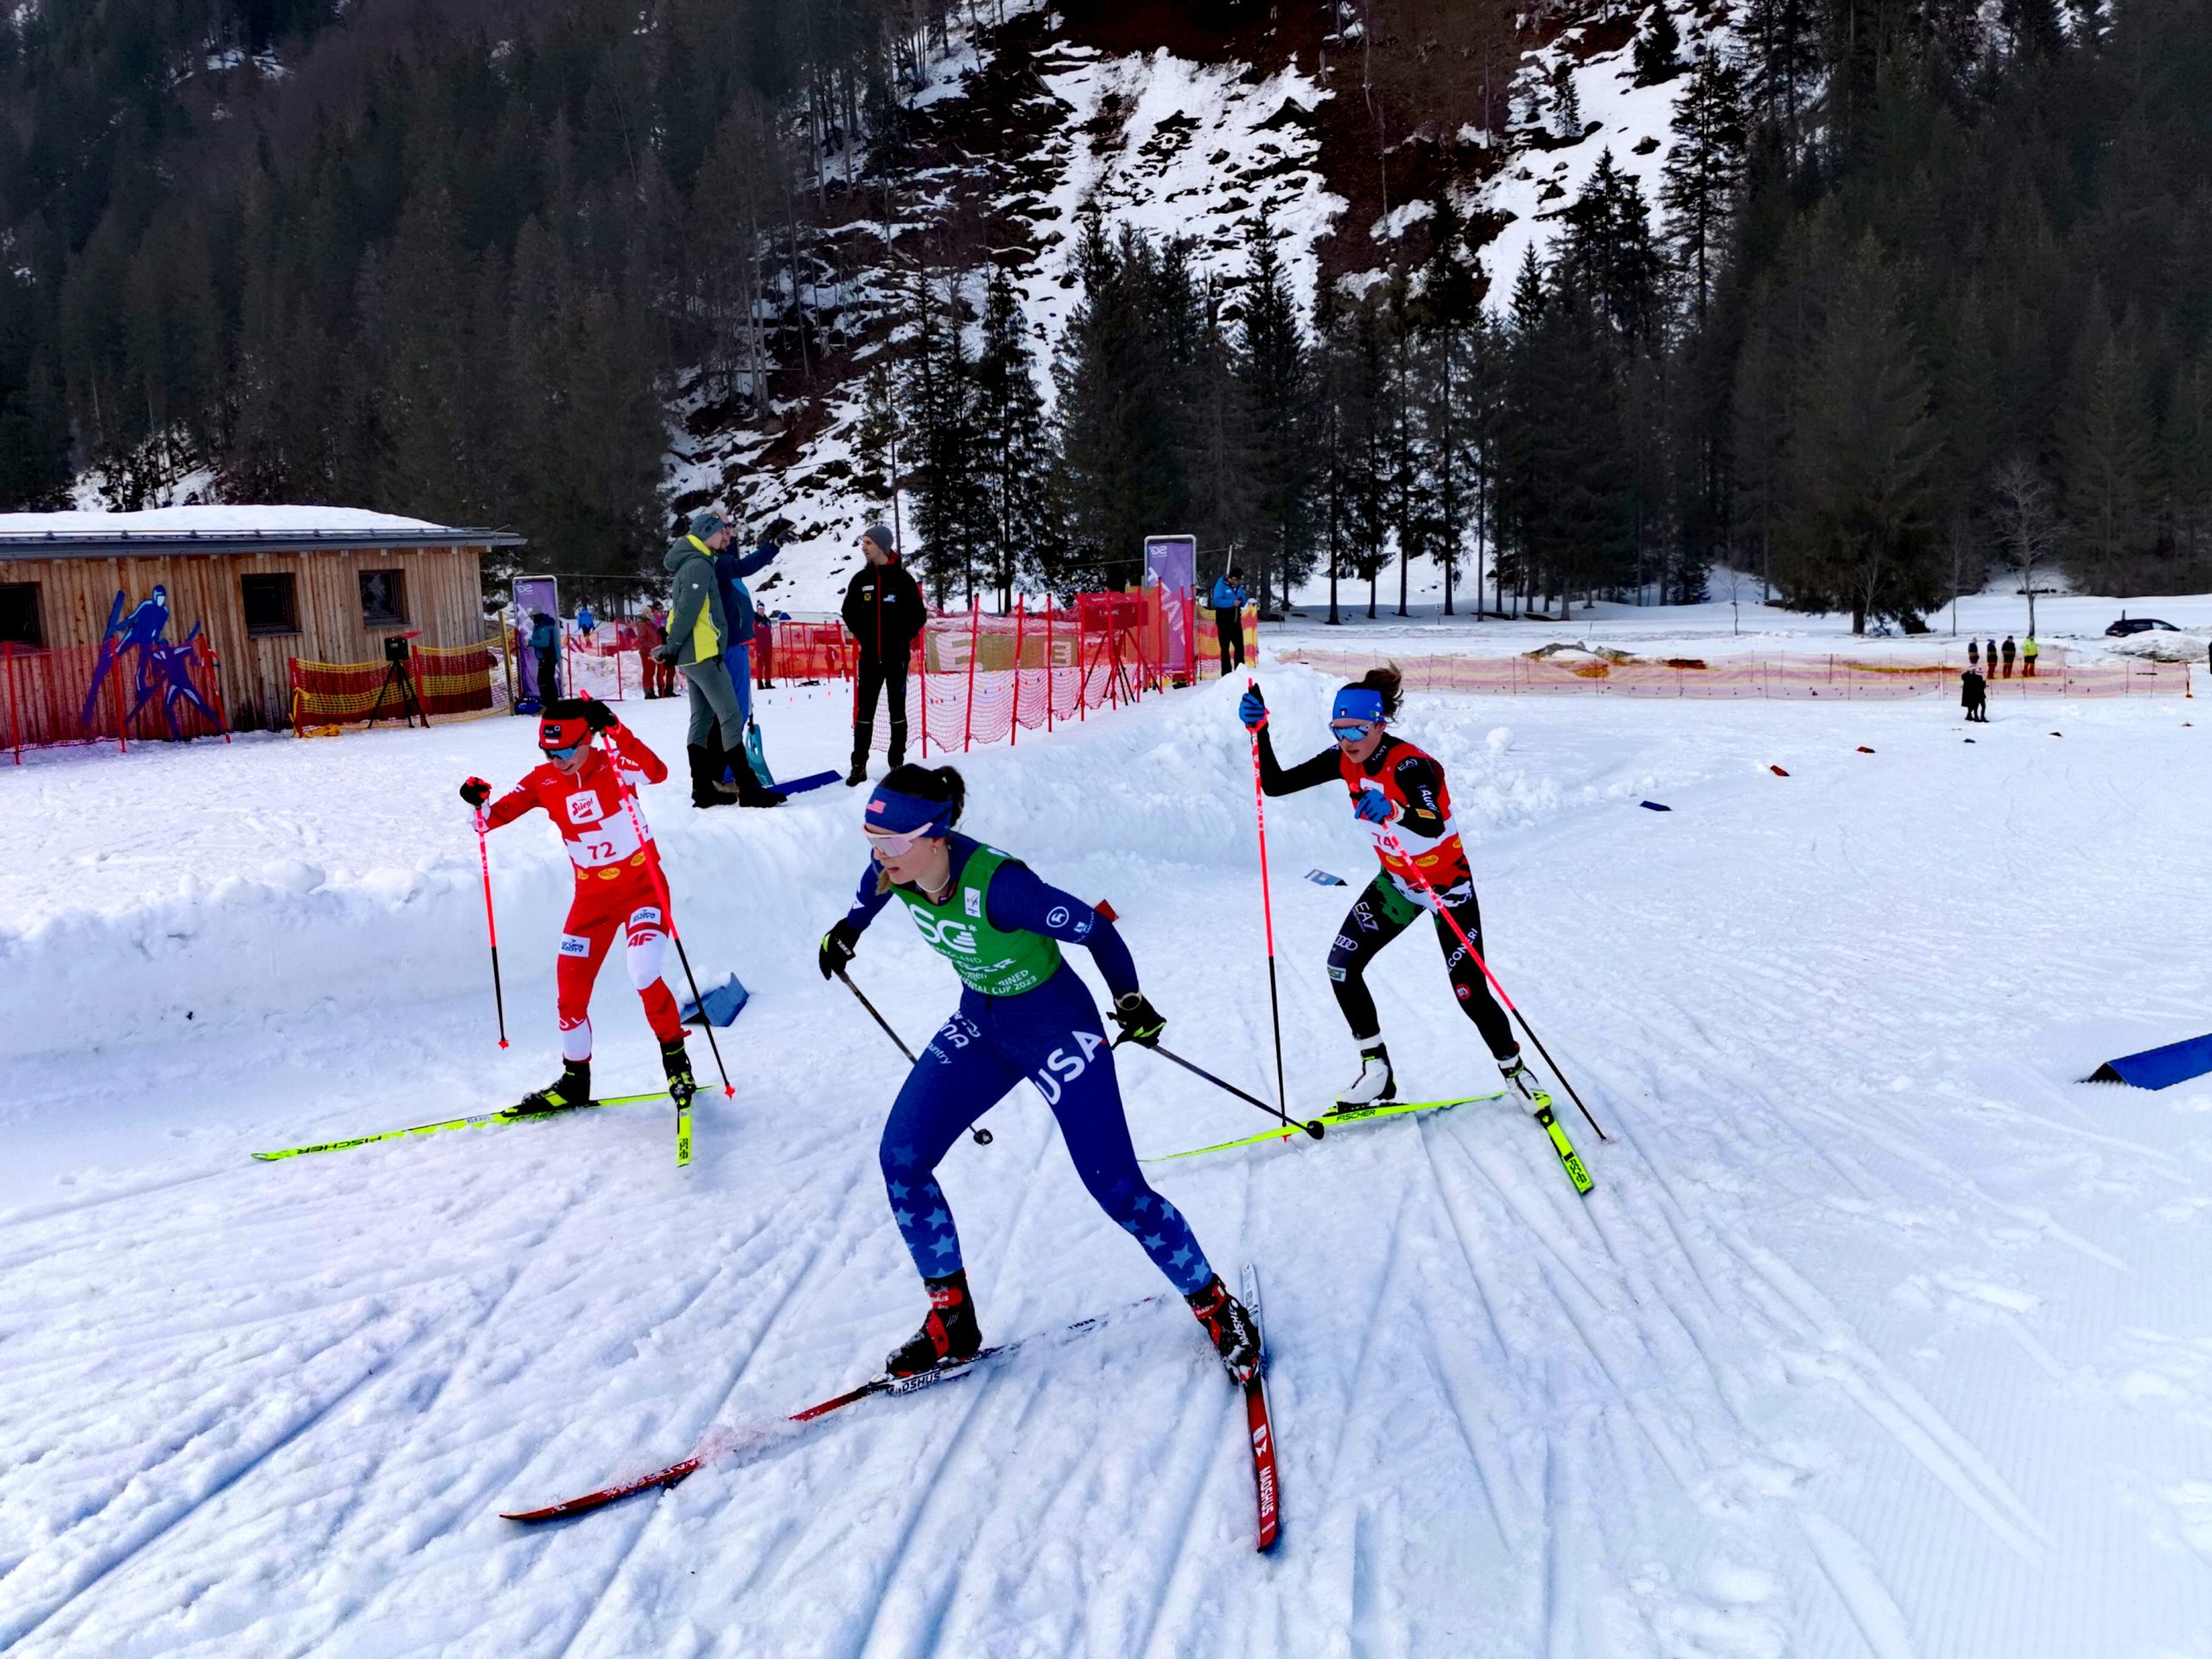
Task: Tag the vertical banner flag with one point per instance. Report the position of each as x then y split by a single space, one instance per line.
533 595
1171 565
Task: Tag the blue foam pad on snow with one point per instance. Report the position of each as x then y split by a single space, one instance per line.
1654 806
723 1004
812 780
1323 878
2158 1068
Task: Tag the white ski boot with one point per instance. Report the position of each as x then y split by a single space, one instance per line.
1515 1071
1375 1083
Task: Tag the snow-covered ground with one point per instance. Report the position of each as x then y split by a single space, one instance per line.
1878 1336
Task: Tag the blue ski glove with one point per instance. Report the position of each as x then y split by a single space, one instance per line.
1252 709
1373 807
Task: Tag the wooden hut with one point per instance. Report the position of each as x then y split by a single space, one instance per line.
265 584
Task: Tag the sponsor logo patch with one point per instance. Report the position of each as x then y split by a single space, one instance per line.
583 807
1058 916
573 944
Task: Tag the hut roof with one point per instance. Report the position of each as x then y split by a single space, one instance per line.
226 530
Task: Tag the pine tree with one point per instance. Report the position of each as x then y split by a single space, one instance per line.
1782 46
938 408
1703 174
1567 102
2108 443
1658 48
2187 443
1857 466
1276 380
1216 442
1021 522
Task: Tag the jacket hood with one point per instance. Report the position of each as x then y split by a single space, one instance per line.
679 551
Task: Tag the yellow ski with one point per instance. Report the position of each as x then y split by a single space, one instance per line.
509 1115
1330 1119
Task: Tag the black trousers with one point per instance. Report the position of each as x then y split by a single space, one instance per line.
549 676
1378 916
1229 626
877 676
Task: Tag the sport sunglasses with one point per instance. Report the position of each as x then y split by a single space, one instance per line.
893 846
1350 731
562 755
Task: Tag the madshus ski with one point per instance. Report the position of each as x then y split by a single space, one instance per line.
1259 1427
507 1114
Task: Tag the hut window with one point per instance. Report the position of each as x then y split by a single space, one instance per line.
384 597
19 617
271 604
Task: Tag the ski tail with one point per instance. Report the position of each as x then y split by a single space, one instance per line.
1259 1424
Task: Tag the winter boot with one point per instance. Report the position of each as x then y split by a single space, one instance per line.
1375 1083
863 736
704 791
750 791
1229 1327
572 1088
676 1062
897 757
1515 1071
948 1336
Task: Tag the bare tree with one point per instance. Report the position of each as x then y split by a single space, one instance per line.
2029 534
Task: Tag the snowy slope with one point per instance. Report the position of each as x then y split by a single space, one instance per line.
1879 1336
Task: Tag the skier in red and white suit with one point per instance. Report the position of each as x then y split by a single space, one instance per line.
582 789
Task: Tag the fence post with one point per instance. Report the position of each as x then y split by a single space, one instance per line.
1021 615
974 627
922 640
1050 666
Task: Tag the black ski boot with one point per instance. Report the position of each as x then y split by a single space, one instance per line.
676 1062
750 790
948 1336
573 1089
1234 1336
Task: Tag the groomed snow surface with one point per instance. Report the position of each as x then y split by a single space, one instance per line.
1880 1335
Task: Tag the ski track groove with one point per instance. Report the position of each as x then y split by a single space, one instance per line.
1849 1572
1182 1560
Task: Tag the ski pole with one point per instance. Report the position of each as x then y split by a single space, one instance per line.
1106 911
1268 906
983 1135
668 915
491 926
1312 1126
1444 909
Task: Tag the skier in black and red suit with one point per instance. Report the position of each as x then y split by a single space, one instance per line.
1398 793
619 890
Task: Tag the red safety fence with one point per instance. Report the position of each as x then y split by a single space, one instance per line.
982 677
446 680
81 694
1750 675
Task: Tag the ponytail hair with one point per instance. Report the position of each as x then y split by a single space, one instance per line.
1387 680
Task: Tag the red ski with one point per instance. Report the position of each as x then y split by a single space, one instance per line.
715 1445
1261 1428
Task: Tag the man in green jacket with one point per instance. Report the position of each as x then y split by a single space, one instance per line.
696 629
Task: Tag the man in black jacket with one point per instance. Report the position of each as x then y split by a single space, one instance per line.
883 612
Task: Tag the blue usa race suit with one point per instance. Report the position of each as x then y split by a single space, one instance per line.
1052 1035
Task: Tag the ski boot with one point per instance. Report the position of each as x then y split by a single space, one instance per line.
1375 1081
676 1062
1515 1071
1229 1327
750 791
572 1088
948 1336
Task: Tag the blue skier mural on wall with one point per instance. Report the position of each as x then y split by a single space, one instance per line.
162 668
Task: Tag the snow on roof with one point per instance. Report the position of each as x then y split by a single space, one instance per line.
211 521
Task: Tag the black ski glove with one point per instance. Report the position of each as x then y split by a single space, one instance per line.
668 653
476 791
1140 1022
837 947
599 717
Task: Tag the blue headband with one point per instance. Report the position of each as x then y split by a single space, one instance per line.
1357 702
890 813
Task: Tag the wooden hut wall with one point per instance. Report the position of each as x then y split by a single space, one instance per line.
443 595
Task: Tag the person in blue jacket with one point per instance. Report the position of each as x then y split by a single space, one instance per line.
587 624
545 644
1024 1012
1229 617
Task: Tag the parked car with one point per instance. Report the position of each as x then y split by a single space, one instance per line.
2128 624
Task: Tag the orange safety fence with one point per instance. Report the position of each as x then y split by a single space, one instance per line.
79 693
446 680
1748 675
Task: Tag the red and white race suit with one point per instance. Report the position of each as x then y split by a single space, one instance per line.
1421 821
617 885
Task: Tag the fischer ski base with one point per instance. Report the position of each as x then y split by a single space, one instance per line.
1569 1160
1260 1425
507 1114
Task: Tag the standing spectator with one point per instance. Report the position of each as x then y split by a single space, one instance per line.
666 684
1973 654
587 624
883 612
764 647
2010 651
1989 659
1228 618
1973 694
697 629
652 632
545 646
730 570
2029 652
